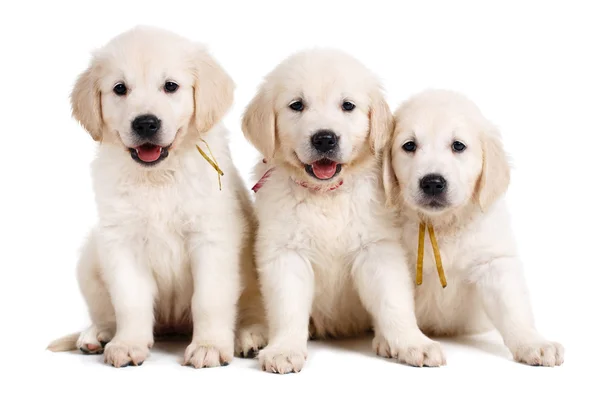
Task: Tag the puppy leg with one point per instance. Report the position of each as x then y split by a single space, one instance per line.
386 289
100 308
251 331
131 288
288 285
215 269
505 297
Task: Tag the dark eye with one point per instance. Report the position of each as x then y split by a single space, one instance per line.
347 106
297 105
171 87
120 89
409 147
458 147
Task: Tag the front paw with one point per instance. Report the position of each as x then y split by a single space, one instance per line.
419 351
201 354
282 359
250 339
123 353
538 352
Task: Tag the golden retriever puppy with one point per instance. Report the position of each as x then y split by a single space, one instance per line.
172 250
327 248
446 172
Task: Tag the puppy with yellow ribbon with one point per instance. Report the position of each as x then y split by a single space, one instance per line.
446 171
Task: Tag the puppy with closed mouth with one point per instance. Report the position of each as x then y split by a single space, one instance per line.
327 249
172 250
446 170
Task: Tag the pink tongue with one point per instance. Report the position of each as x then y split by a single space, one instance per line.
324 170
148 153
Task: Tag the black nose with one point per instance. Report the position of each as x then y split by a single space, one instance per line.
433 184
146 125
324 141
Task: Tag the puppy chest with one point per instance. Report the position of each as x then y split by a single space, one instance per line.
333 231
451 253
154 224
164 246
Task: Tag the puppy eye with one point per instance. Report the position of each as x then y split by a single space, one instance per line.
297 105
347 106
409 147
171 87
458 147
120 89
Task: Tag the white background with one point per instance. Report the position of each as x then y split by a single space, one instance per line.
533 68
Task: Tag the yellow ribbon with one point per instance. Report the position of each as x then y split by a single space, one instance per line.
436 254
212 162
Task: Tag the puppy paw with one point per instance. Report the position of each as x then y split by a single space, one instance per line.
539 353
418 352
282 360
92 340
249 340
203 355
121 353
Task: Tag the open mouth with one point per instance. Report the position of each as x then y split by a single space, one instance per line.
323 169
149 154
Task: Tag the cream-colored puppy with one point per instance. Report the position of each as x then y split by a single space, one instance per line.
171 250
446 167
327 248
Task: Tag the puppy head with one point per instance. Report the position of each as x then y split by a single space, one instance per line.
146 89
321 113
443 156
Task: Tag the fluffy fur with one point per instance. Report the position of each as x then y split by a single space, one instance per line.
328 254
486 286
171 252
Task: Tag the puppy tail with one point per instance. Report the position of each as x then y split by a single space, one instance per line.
65 343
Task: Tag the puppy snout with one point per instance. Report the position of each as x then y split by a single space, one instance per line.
146 126
433 184
324 141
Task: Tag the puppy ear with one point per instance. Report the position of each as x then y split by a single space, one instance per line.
85 102
381 122
391 186
258 123
495 173
213 91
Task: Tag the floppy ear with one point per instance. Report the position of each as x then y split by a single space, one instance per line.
495 173
213 91
381 122
258 123
391 186
85 102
